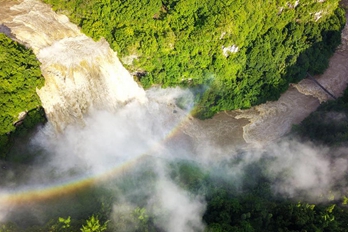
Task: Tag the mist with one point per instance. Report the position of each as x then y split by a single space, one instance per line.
126 157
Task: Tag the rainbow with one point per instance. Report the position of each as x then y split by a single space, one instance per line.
61 187
28 194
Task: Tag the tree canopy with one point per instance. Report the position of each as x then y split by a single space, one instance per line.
20 75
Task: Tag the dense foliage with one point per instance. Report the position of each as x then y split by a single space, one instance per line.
246 204
328 124
232 53
250 204
20 75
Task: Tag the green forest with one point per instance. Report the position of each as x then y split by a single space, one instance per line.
20 75
246 204
328 124
231 53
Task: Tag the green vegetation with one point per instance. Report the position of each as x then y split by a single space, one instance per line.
243 203
177 42
93 225
20 75
246 203
249 204
328 124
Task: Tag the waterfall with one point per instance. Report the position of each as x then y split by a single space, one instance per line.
80 74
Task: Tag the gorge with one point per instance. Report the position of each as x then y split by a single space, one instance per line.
102 125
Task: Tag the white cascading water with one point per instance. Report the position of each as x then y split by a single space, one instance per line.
80 74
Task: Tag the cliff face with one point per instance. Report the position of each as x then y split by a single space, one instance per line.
80 74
